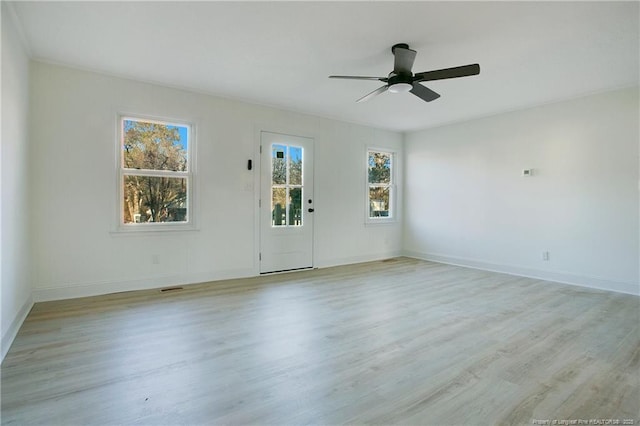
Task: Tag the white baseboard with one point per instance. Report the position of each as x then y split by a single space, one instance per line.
45 294
76 290
12 331
327 263
559 277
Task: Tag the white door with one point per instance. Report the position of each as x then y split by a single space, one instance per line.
286 202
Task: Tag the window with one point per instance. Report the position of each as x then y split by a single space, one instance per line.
380 185
156 173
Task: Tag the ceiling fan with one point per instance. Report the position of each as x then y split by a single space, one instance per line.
402 80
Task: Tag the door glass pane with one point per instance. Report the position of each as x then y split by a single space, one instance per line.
295 168
279 164
379 167
279 206
295 206
286 185
378 201
154 199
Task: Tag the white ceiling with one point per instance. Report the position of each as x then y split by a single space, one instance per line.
280 53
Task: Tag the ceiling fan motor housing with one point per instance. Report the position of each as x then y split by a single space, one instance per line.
399 83
400 78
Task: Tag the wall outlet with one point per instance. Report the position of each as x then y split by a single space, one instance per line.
527 172
545 255
155 259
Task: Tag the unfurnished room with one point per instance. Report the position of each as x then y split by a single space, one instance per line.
291 213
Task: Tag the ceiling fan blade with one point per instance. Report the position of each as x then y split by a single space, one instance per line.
424 93
463 71
355 77
374 93
403 60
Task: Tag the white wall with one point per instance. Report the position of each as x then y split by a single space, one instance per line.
73 137
15 286
467 203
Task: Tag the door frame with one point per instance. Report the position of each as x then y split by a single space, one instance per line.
257 191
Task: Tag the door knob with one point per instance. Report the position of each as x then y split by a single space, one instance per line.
310 210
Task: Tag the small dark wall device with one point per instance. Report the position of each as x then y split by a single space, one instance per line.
249 165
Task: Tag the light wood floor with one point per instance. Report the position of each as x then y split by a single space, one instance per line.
394 342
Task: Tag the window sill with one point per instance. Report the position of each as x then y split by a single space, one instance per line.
151 229
378 222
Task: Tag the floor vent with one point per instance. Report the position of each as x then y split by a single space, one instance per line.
164 290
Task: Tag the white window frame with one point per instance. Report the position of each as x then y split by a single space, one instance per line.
391 218
189 175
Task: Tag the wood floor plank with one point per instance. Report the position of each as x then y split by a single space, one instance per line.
391 342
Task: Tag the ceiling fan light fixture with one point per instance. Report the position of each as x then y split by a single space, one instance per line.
400 88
